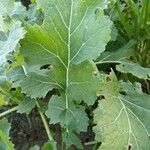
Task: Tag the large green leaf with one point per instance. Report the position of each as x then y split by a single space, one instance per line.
72 32
122 117
5 143
59 55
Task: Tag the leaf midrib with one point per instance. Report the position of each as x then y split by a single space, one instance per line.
68 65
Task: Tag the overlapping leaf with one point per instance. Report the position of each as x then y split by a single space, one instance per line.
10 10
71 139
135 69
6 7
123 119
9 41
47 146
115 54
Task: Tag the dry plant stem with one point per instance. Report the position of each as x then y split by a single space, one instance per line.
45 123
8 111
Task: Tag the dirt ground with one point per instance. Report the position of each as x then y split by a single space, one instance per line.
28 131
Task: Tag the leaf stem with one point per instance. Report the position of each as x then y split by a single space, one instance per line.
107 62
62 145
45 123
90 143
8 111
147 86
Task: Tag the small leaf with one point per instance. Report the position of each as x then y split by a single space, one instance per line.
26 105
51 145
15 34
36 147
71 139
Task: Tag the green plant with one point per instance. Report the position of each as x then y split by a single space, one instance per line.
66 47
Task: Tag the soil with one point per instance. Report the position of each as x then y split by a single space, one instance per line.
26 2
28 130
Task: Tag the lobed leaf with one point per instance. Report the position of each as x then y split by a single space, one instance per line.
70 117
